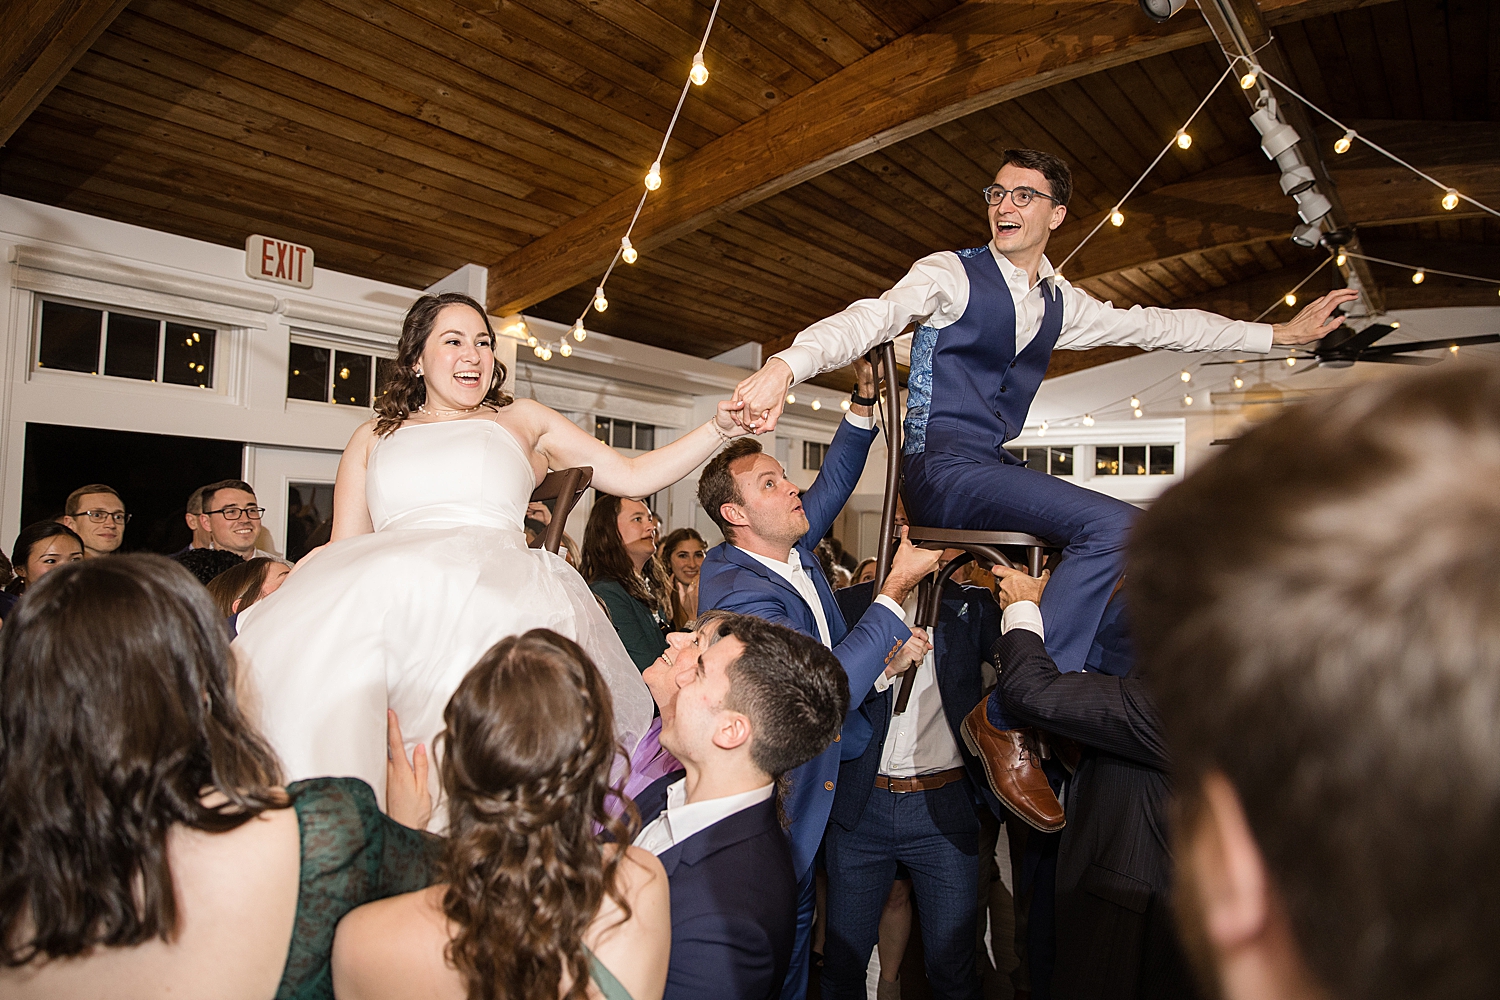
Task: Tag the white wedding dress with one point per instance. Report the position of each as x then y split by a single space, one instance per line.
398 617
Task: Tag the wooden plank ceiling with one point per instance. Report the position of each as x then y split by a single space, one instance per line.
404 138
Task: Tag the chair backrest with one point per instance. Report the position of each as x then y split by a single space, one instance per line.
884 360
564 487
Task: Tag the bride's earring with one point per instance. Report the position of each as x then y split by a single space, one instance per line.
417 372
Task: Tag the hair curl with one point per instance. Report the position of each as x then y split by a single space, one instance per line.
405 391
526 759
117 713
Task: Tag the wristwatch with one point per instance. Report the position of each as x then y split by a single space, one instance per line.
858 400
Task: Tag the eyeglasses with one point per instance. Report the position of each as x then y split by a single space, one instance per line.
1019 197
100 516
233 513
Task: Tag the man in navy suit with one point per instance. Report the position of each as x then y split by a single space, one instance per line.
766 567
743 702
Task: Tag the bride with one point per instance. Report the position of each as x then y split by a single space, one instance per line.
428 565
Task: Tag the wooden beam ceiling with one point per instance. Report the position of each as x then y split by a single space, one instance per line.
41 42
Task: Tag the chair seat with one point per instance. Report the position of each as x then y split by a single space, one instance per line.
957 537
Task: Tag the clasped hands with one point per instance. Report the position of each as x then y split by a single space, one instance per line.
758 400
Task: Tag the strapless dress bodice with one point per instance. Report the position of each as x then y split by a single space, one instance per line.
449 475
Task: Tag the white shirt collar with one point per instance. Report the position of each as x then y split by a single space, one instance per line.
1017 276
683 819
792 564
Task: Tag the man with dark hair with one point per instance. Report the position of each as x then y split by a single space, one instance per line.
743 702
988 320
767 567
1318 614
97 515
231 517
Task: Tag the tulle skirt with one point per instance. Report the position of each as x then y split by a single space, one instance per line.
396 619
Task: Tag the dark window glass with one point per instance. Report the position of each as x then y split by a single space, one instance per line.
1107 460
307 373
351 378
624 436
645 436
189 357
1133 462
70 338
130 348
813 453
1163 459
601 429
384 369
309 508
1062 462
1020 453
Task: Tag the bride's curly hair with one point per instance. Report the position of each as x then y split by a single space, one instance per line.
404 390
526 759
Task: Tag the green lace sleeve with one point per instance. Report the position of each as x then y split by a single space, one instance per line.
352 854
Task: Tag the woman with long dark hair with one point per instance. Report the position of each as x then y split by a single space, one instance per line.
40 548
531 903
618 543
679 561
428 565
146 846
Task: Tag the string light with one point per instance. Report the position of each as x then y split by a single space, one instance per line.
600 302
530 341
1183 139
817 404
1135 403
1291 298
844 405
1343 142
627 252
1341 259
791 397
546 354
1116 218
1186 375
1453 349
1251 75
1138 411
1187 400
1088 420
1291 362
653 176
1042 432
1239 383
579 333
565 349
1450 200
699 73
1418 276
537 350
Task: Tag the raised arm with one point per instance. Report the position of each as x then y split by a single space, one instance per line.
351 514
564 445
935 287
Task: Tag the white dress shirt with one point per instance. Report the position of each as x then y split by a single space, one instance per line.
1022 614
935 292
681 819
918 741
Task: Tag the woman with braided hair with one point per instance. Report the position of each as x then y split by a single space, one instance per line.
531 903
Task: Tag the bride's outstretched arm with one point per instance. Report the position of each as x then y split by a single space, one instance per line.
565 445
350 514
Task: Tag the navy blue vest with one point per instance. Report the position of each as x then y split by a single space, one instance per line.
969 391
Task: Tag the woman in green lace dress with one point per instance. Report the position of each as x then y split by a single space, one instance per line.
532 904
146 849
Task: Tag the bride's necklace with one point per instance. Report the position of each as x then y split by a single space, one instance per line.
438 411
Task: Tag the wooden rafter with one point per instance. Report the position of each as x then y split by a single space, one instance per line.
41 42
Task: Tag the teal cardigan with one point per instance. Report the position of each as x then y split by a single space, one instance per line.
643 638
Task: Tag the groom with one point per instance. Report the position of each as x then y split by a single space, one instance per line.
988 320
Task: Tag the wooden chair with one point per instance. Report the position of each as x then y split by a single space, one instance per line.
563 487
987 546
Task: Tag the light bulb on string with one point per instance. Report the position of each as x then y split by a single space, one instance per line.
579 333
1187 400
1186 375
537 350
600 302
1291 362
1341 259
1239 383
1138 411
530 341
565 349
1116 217
699 73
1452 348
1291 298
817 404
1450 200
845 404
1250 76
546 354
627 251
791 397
1088 420
1419 276
1183 139
1135 402
1042 431
653 176
1343 142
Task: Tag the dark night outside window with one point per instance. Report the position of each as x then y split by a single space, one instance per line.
1062 462
1163 459
813 455
351 378
70 338
130 347
1133 460
1107 460
189 355
307 373
625 433
134 347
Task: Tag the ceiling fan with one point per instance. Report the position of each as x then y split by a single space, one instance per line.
1344 346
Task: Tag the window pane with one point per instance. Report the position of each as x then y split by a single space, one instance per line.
624 434
1062 462
70 338
645 436
1134 460
1020 454
384 369
1107 460
309 508
189 357
307 373
812 456
351 378
1163 459
130 349
601 429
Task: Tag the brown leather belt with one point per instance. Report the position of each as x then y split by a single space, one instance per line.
921 783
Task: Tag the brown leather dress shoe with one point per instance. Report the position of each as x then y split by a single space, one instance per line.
1014 771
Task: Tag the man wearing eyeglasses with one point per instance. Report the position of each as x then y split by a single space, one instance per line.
97 514
231 517
987 320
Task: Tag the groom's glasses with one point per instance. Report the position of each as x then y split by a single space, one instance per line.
233 513
1019 197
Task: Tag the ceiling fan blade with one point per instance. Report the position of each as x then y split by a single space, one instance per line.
1400 359
1428 345
1301 370
1252 361
1355 341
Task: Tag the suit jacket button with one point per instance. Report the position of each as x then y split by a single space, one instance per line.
1003 389
828 785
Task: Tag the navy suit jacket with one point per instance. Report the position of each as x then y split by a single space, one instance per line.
734 903
735 581
968 625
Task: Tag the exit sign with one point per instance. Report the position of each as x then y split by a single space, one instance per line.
271 259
